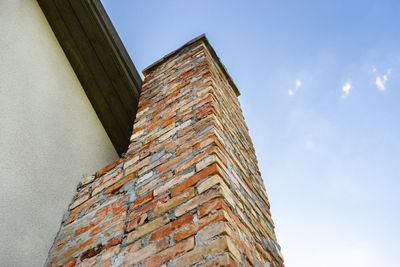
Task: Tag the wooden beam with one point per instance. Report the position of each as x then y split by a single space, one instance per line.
100 62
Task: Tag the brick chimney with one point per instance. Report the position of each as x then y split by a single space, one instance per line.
188 191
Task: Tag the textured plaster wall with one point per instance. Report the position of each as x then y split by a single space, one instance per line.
50 136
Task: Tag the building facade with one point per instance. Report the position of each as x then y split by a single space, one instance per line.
52 131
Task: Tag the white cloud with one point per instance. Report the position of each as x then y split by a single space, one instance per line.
309 145
381 80
346 89
298 84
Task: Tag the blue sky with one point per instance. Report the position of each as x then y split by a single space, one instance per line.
320 85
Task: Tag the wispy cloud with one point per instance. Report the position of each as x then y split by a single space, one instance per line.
380 81
298 84
346 88
309 145
292 92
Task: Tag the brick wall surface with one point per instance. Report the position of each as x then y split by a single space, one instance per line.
188 191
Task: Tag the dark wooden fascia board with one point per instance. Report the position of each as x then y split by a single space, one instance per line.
100 61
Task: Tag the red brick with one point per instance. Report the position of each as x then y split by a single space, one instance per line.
136 222
141 200
110 207
224 260
173 161
172 226
143 253
213 205
159 180
84 205
69 263
146 207
187 195
105 264
108 167
175 181
193 228
72 250
200 253
106 224
89 226
195 178
113 241
120 183
169 253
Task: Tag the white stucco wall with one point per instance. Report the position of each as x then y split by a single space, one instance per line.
50 136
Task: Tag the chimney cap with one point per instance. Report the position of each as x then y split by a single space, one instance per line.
200 38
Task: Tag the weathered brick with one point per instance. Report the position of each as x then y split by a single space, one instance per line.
133 247
91 252
204 155
114 205
112 242
79 201
147 228
196 255
208 183
133 158
88 180
73 250
173 161
171 203
195 178
108 168
197 201
136 222
88 262
120 183
153 183
105 178
110 252
137 166
144 177
146 207
193 228
120 218
211 231
115 177
131 257
141 200
85 204
169 253
218 204
69 263
172 226
175 181
223 260
227 193
62 240
89 226
105 264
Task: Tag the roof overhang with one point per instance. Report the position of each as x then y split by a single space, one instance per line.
100 61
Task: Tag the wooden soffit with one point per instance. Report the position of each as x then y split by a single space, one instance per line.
100 61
